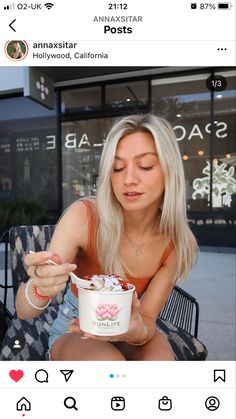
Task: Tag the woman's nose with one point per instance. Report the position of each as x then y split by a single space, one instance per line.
130 176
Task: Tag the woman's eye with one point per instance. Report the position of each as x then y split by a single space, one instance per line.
146 168
118 169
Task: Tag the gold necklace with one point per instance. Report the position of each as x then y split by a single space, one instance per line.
138 247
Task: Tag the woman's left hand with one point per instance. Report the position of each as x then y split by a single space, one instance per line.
130 335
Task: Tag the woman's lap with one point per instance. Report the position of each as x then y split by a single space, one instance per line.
158 348
68 310
72 347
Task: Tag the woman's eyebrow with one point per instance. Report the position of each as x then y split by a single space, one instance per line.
138 156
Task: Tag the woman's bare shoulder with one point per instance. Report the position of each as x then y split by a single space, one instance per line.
80 209
72 226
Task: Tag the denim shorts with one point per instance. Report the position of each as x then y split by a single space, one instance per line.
68 310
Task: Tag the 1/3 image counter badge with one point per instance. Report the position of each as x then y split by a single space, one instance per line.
16 50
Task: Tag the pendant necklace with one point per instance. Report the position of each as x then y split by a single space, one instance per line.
138 247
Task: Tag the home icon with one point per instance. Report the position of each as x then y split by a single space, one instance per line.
23 404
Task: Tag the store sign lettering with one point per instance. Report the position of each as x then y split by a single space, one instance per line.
196 131
72 141
51 142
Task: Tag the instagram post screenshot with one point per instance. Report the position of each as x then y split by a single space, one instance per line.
117 209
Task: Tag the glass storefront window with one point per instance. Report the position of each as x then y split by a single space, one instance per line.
208 152
224 147
28 156
82 144
129 95
185 102
84 99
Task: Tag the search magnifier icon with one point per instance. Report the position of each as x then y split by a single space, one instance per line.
70 403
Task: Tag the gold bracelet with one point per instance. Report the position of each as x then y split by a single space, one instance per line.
142 342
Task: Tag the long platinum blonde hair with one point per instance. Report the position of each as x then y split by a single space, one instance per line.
173 221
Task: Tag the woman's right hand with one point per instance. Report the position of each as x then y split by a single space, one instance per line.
49 279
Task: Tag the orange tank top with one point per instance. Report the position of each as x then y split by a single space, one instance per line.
87 263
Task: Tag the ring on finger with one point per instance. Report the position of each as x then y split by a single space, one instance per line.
36 273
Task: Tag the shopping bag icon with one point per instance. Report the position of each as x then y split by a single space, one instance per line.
165 403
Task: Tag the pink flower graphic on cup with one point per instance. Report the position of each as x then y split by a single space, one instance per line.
107 311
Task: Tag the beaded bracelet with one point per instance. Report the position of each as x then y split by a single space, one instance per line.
29 300
37 295
142 342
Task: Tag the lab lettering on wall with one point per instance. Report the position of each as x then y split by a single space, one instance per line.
71 141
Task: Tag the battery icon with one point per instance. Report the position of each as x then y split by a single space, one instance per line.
224 6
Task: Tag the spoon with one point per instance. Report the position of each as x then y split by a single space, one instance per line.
79 282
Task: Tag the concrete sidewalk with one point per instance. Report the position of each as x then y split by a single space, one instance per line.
212 283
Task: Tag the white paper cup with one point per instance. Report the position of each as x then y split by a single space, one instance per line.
105 313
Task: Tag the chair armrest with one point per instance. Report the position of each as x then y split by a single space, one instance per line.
5 320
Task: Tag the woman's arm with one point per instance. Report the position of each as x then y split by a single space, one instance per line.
70 235
156 295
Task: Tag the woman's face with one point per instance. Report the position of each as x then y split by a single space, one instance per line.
16 46
137 177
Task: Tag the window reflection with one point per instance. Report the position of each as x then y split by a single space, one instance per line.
224 190
82 143
129 95
84 99
186 103
28 157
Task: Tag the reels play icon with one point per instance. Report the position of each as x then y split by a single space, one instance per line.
118 403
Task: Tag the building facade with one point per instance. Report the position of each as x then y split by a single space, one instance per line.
51 153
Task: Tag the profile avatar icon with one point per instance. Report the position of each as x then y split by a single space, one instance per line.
17 344
16 50
212 403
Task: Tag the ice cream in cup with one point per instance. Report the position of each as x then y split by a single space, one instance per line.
104 310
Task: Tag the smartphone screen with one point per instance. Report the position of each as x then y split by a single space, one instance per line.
117 168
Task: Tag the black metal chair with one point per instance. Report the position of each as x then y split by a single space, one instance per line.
178 319
182 310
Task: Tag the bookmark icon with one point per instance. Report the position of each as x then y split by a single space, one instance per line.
219 375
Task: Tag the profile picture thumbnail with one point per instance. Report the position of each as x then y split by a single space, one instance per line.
16 50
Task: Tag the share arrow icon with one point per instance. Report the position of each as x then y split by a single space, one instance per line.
67 374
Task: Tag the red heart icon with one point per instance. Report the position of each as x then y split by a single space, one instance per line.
16 375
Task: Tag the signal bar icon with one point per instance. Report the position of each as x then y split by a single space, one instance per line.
48 5
9 7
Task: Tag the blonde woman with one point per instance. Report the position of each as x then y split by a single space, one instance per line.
136 227
17 51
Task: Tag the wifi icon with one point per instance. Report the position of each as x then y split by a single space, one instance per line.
48 5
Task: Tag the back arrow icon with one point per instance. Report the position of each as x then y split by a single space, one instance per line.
12 26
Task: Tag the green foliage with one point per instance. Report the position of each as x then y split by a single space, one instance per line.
23 211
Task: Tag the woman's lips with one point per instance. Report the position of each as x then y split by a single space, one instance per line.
132 196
